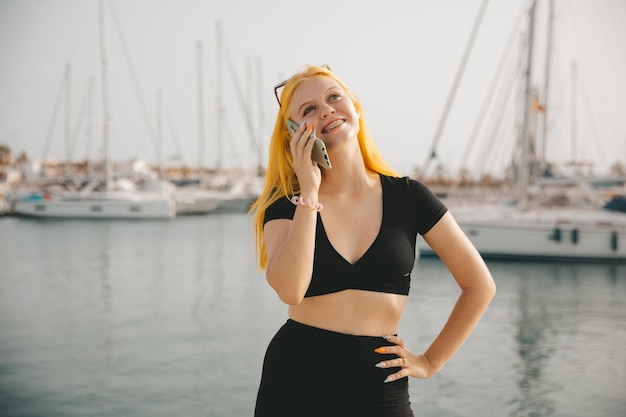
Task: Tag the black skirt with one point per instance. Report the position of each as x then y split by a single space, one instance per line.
315 372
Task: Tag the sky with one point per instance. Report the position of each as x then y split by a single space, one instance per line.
400 57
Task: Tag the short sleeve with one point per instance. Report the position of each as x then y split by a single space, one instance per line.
429 207
279 209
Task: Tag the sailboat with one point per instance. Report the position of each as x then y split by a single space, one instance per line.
548 231
550 218
193 197
222 192
98 199
94 201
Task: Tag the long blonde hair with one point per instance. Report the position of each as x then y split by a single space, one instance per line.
280 178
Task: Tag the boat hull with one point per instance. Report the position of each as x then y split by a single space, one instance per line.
573 235
98 208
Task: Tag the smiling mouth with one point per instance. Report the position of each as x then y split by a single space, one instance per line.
333 125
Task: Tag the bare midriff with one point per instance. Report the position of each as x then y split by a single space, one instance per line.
355 312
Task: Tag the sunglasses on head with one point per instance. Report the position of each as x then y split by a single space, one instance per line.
282 84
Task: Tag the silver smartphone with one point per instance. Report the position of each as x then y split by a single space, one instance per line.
319 153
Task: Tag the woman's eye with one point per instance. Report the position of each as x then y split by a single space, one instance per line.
334 97
308 110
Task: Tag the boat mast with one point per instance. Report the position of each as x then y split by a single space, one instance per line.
68 118
200 85
106 117
525 137
546 85
219 97
261 113
159 133
574 111
432 153
90 123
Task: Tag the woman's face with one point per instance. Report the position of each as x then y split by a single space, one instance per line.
322 103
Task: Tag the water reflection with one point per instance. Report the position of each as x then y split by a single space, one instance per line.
613 274
565 311
172 318
535 346
93 368
203 302
103 256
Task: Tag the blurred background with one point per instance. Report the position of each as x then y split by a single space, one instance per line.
134 136
401 58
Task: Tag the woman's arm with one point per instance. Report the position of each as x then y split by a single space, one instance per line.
290 245
477 289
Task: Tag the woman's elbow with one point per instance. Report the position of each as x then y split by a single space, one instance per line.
488 288
286 292
289 286
291 299
482 293
491 289
289 296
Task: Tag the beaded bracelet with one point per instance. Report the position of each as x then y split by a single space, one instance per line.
307 202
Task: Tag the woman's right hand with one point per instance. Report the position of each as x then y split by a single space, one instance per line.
308 172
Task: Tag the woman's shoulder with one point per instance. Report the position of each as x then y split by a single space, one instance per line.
406 184
282 208
416 198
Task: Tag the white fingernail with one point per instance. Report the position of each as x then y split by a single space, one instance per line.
388 379
381 365
387 337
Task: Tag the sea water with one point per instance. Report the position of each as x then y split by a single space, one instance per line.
172 318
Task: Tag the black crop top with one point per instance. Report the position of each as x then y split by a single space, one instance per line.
409 208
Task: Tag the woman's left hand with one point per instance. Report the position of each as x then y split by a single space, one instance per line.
417 366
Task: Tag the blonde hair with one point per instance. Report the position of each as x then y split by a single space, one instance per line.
280 178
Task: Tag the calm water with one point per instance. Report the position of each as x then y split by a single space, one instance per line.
121 318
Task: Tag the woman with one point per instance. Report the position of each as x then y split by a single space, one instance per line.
340 254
